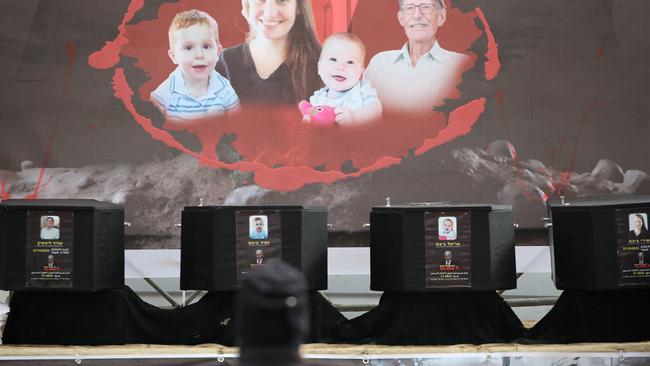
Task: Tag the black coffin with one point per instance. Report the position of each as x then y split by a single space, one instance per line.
220 244
61 244
442 247
594 245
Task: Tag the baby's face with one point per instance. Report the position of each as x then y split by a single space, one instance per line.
196 51
259 226
448 225
341 64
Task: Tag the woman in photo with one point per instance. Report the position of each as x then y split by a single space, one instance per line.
278 61
639 229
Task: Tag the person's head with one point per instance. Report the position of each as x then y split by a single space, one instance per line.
194 44
259 224
638 222
448 225
341 61
272 312
259 254
421 18
448 255
49 222
50 258
640 255
290 21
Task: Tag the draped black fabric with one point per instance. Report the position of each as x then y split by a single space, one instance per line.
439 318
435 318
121 317
595 316
115 317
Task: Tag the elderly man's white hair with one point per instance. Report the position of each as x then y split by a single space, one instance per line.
441 2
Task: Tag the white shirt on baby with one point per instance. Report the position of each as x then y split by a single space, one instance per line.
360 95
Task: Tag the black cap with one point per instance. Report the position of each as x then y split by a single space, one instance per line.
272 316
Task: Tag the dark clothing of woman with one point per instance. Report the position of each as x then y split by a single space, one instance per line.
239 68
642 234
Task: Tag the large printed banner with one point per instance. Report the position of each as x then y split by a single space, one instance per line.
162 104
279 104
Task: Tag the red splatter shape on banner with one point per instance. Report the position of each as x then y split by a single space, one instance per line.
492 65
109 55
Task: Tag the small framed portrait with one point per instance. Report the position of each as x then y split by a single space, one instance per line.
258 227
447 228
259 258
50 262
50 227
638 224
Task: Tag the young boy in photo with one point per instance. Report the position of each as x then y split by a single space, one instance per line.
340 66
194 89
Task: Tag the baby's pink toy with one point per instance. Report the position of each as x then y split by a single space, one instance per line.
320 115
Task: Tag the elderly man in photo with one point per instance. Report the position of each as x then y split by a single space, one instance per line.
418 77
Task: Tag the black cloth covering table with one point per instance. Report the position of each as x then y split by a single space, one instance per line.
119 316
435 318
595 316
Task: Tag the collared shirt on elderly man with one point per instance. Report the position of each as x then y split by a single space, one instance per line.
407 89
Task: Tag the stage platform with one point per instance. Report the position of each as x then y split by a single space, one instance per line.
582 354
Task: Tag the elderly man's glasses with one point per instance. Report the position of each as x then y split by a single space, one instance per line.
425 9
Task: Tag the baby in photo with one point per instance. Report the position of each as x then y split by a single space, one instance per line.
340 66
194 89
447 230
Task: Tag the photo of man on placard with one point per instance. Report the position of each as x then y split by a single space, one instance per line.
259 258
50 227
448 258
258 227
641 261
50 263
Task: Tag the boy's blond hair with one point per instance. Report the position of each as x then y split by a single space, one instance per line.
350 37
189 18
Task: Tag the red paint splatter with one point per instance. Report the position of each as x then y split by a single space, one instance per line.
565 177
522 182
284 152
461 121
70 53
492 65
4 195
109 55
